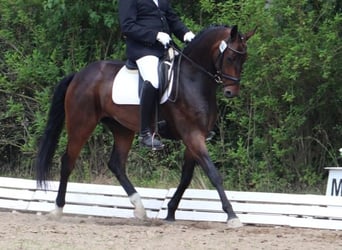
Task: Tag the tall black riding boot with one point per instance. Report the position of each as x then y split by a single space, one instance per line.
147 107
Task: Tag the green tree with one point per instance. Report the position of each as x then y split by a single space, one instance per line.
278 135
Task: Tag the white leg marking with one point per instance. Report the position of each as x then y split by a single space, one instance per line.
234 223
139 211
57 212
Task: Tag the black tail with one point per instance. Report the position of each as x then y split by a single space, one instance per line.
52 132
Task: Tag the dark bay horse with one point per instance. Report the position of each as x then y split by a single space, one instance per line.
82 100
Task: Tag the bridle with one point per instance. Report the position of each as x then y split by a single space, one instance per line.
219 75
224 46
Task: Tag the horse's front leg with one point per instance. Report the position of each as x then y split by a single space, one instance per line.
199 149
216 179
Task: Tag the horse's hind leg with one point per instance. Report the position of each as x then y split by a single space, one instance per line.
77 137
187 173
123 139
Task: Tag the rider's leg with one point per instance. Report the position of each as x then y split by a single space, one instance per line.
148 68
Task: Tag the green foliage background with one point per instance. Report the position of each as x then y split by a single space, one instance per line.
277 136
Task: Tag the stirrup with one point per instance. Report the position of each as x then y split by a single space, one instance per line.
148 140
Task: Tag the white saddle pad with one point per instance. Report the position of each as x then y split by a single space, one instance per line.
125 88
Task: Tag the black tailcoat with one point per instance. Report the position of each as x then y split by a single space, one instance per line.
140 22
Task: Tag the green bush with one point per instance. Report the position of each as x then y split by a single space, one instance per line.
277 136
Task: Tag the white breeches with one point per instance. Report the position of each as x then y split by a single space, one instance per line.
148 68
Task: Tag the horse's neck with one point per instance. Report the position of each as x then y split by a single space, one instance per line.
200 75
196 92
201 57
196 85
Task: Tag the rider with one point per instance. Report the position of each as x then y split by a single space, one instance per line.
147 26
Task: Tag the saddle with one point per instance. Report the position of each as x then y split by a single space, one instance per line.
165 71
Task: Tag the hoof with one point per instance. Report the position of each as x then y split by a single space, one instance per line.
140 214
56 213
139 210
169 219
234 223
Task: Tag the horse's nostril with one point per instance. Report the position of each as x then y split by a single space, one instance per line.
228 94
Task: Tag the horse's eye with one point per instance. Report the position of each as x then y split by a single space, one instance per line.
229 60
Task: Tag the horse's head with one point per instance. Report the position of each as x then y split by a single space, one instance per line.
229 57
219 52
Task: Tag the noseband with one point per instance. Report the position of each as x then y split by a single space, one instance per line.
219 75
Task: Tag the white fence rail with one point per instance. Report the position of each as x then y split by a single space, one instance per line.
295 210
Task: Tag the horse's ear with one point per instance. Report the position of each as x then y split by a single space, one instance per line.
234 33
250 33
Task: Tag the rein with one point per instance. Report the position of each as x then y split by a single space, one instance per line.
219 75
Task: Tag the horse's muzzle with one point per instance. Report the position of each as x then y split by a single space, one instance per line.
231 91
229 94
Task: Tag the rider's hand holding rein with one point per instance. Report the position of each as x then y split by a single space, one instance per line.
188 37
164 38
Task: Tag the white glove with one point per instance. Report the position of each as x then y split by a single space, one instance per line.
188 36
163 38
